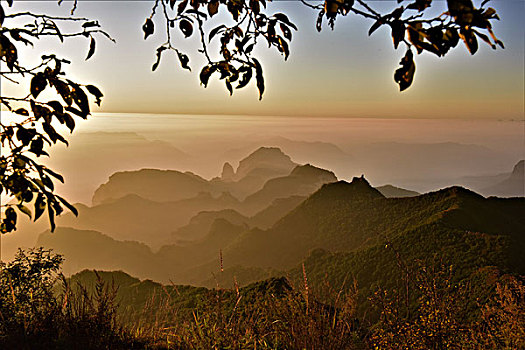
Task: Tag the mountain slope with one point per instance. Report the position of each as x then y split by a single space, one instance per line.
201 224
513 186
84 249
135 218
302 181
153 184
264 160
346 217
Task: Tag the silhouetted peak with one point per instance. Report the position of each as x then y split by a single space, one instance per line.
459 192
308 170
227 172
265 151
265 157
358 189
519 168
361 182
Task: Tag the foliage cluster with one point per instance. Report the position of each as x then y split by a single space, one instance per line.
251 23
33 315
273 314
52 100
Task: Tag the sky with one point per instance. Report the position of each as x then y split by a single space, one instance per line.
340 73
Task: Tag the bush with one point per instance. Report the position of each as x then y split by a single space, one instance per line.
34 315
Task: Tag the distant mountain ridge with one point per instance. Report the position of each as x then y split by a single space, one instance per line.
302 181
265 159
168 185
353 219
153 184
512 186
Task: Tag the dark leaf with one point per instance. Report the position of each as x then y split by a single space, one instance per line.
40 205
186 27
184 60
215 31
24 210
91 49
283 47
93 90
229 86
486 39
54 174
452 37
76 112
90 24
286 31
213 7
68 205
22 111
159 54
246 77
405 75
255 6
205 74
37 146
398 32
15 34
38 83
259 76
47 182
461 10
233 8
172 4
375 26
8 50
469 39
182 6
40 111
281 17
319 23
70 122
57 106
148 28
51 215
63 90
80 98
25 135
249 48
9 222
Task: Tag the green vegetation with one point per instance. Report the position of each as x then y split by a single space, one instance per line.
33 316
438 270
352 222
100 310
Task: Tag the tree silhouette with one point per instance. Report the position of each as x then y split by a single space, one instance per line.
25 181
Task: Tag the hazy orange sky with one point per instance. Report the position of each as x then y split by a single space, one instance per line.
340 73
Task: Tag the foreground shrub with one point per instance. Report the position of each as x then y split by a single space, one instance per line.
33 316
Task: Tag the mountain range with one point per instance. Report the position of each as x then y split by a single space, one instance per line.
347 224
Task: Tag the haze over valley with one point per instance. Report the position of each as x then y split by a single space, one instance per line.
160 196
